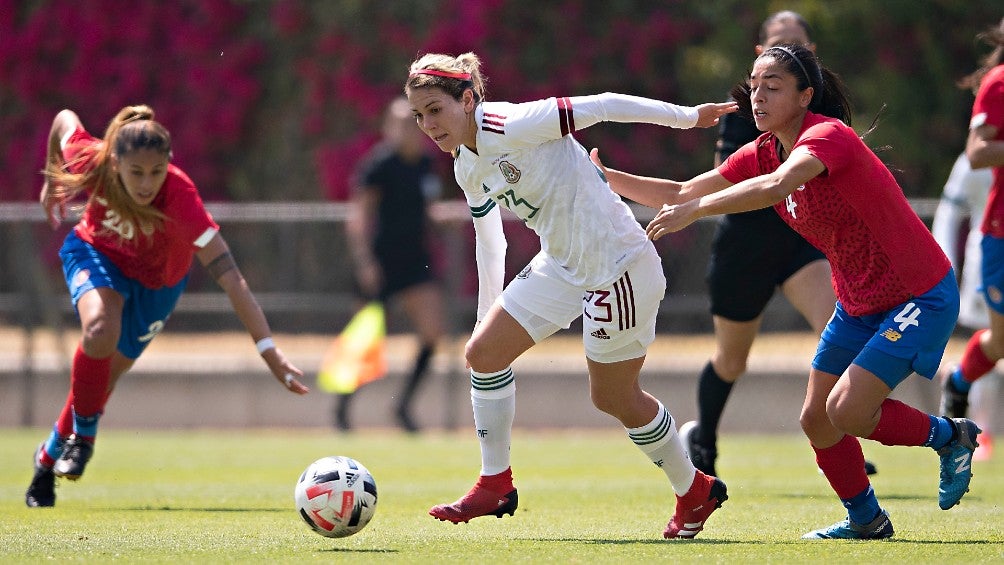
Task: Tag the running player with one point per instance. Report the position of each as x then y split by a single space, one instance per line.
985 149
897 295
595 262
753 254
126 264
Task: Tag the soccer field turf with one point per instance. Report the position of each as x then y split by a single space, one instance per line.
216 496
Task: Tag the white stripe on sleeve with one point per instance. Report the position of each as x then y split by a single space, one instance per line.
206 237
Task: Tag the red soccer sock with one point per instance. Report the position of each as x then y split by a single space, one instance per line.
45 459
975 363
901 424
843 464
64 425
500 483
89 383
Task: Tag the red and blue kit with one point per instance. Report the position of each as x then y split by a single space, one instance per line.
881 253
989 110
162 258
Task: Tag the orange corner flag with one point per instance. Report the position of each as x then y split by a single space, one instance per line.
357 355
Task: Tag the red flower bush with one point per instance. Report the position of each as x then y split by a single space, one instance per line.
189 60
275 100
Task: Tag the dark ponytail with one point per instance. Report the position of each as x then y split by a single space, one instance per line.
993 37
829 96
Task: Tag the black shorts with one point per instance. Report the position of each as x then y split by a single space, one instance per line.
403 269
752 254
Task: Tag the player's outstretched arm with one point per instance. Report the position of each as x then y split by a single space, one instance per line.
648 191
54 205
655 192
751 194
216 257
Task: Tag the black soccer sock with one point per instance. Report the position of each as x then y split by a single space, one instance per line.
343 402
417 375
712 394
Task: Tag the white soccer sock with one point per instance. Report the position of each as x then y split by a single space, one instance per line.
493 397
659 440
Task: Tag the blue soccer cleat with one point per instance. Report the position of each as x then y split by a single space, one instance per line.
957 463
879 528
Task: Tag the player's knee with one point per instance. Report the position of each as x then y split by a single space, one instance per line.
845 418
99 338
612 407
814 420
482 357
622 404
603 403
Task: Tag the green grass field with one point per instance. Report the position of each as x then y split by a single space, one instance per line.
585 497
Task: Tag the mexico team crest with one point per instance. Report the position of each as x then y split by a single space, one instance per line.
510 172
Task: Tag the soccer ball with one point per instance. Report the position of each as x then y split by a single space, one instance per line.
336 496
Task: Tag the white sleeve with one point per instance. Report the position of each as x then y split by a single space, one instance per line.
613 107
512 126
489 251
952 210
945 228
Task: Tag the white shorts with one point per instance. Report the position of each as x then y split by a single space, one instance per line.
618 321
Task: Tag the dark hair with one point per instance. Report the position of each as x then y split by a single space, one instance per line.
829 96
995 38
783 15
140 132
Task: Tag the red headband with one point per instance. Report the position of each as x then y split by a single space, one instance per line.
458 76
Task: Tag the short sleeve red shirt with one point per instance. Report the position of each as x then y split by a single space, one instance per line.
880 251
989 109
165 257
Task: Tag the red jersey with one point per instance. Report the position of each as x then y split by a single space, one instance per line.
989 109
164 257
881 253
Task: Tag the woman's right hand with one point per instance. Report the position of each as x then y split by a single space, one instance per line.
55 209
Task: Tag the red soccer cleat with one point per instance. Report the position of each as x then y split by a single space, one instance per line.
480 501
692 509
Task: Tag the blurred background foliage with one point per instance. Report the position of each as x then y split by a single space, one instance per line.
277 100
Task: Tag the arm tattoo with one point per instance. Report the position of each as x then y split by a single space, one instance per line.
221 264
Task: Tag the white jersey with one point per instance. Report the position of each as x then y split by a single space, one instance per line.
528 161
965 197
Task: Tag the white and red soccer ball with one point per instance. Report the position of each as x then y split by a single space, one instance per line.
336 496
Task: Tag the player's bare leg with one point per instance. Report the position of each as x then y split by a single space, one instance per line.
614 389
495 344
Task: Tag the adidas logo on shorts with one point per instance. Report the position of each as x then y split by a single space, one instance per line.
600 334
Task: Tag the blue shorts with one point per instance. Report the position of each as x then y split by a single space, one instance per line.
145 310
893 344
992 271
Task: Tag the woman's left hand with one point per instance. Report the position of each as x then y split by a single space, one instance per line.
284 371
672 219
708 114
